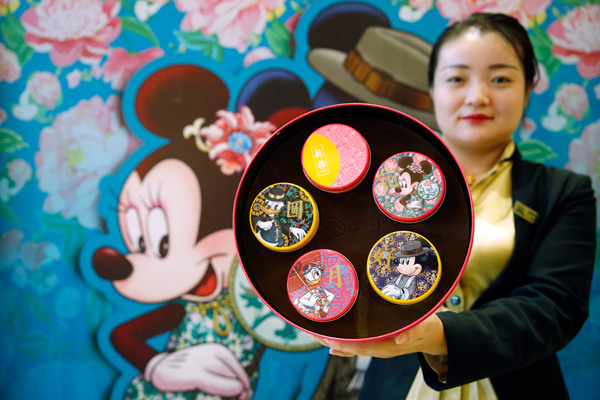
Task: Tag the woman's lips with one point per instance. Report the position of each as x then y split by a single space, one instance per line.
477 118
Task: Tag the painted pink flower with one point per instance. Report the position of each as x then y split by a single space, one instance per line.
235 22
19 173
120 65
10 69
573 100
390 165
380 188
72 30
258 54
144 9
3 115
543 81
576 39
74 78
528 126
32 254
398 206
45 89
520 9
234 138
584 155
414 10
83 144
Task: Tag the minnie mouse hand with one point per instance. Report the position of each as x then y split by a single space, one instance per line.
210 368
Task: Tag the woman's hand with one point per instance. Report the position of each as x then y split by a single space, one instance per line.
426 337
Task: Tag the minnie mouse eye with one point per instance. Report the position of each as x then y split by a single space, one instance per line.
158 232
133 230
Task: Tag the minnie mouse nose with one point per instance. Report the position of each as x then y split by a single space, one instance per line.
111 265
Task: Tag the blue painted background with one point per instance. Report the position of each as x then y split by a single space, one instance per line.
59 78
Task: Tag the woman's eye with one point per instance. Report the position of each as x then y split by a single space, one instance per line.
454 79
158 232
501 79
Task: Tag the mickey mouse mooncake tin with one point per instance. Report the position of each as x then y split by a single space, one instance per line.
409 187
284 217
336 158
322 285
404 267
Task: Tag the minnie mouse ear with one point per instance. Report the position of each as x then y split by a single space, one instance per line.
340 26
176 95
275 95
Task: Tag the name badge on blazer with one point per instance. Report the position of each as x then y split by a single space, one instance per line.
525 212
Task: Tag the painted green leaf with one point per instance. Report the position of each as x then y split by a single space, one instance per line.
14 38
288 332
208 45
279 38
10 141
536 151
543 50
8 213
251 299
140 28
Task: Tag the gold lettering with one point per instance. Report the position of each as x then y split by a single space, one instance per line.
294 209
334 273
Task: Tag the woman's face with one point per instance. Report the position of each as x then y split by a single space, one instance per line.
479 91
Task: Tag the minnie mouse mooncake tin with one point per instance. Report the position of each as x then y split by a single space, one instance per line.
336 158
322 285
284 217
409 187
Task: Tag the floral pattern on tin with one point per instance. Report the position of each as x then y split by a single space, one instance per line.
322 285
409 187
282 215
404 267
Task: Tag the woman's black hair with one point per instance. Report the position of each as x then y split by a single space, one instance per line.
506 26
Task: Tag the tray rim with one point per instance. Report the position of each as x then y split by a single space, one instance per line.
460 176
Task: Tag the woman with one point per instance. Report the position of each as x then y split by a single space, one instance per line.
524 293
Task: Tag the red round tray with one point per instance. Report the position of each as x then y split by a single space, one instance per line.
351 223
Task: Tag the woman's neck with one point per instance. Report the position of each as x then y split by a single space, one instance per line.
476 162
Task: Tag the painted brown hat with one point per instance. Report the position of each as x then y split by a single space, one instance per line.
387 67
411 248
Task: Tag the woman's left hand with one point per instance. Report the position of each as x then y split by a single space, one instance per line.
426 337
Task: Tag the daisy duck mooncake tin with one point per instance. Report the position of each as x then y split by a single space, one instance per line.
336 158
404 267
322 285
409 187
284 217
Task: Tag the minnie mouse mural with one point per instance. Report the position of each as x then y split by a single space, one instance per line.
173 215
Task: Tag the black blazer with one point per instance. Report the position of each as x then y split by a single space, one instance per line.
533 309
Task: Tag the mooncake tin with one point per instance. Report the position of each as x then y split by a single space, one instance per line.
284 217
350 223
409 187
322 285
404 267
335 158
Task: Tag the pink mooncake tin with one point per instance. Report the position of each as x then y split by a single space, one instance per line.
322 285
409 187
336 158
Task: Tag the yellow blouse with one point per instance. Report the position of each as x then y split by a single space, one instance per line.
493 243
494 235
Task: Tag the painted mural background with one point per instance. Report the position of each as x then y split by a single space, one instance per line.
64 66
